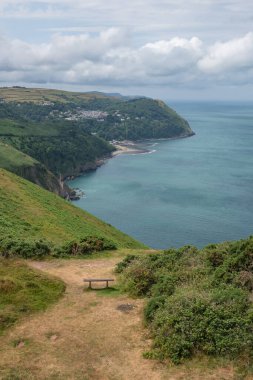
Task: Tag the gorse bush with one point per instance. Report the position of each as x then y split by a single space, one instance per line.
24 248
10 247
218 324
85 246
122 265
198 301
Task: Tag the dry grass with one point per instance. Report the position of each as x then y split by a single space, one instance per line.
85 336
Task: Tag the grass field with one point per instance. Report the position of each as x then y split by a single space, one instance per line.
27 128
11 158
24 291
38 95
28 211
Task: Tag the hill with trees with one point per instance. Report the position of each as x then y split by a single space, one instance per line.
69 133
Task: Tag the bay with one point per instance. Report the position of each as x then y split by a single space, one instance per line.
196 190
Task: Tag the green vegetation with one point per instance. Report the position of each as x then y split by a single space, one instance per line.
11 159
65 147
33 221
198 301
24 291
61 133
139 119
25 166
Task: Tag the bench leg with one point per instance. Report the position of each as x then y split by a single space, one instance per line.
107 284
90 285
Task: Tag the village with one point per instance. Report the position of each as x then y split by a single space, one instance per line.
99 115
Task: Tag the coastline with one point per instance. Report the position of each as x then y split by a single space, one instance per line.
127 147
132 147
122 147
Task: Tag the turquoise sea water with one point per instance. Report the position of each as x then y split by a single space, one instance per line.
196 190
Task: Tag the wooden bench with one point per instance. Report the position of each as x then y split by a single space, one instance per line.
90 280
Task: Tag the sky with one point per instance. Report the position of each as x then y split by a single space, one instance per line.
171 49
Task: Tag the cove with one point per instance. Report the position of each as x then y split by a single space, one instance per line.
197 190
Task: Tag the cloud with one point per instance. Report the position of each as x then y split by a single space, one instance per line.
111 58
165 58
233 55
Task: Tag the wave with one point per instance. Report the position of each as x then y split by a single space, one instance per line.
149 152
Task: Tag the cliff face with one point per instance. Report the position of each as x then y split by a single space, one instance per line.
27 167
39 175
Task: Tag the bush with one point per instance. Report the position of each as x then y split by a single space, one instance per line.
10 247
122 265
198 301
24 248
85 246
138 278
165 285
216 325
152 306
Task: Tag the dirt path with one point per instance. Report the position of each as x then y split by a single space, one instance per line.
86 336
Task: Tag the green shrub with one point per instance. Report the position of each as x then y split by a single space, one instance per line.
122 265
24 248
85 246
215 324
199 302
10 247
165 285
152 306
138 279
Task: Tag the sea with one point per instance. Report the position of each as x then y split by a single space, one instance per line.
196 190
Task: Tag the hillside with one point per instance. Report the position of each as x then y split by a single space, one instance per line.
63 147
69 132
109 116
32 213
25 166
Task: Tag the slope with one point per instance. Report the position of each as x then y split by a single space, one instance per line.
26 210
25 166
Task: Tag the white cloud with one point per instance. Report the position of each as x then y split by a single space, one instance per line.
110 58
230 56
172 56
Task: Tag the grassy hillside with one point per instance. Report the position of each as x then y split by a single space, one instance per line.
24 291
27 167
30 212
11 158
